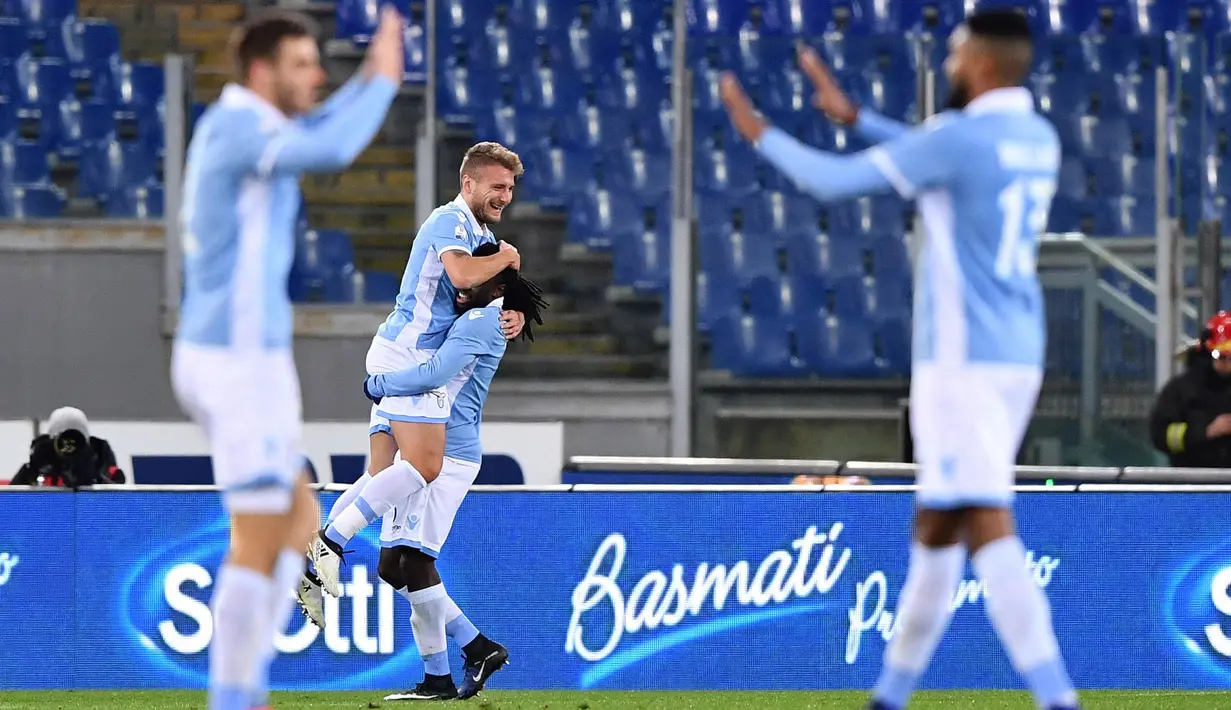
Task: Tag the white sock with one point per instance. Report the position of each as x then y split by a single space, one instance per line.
240 602
427 623
348 496
1022 617
287 571
457 626
925 606
385 490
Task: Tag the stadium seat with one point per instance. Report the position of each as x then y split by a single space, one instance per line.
1073 182
550 89
869 216
769 296
8 119
463 17
890 260
463 91
22 162
716 298
892 344
32 202
46 13
1125 216
141 84
556 174
323 270
852 296
85 122
590 127
14 44
716 17
357 19
729 170
629 17
644 261
834 346
730 253
782 216
596 219
112 167
47 81
643 173
588 46
890 298
142 202
381 286
752 347
796 17
822 255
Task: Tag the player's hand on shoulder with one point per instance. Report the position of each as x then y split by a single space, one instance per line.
510 252
385 54
829 98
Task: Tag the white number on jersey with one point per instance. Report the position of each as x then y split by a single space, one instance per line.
1025 204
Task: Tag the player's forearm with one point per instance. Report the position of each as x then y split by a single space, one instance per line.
336 140
340 98
470 271
876 128
826 176
447 363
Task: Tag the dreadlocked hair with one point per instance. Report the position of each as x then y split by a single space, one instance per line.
524 296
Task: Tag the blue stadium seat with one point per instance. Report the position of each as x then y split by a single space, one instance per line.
1120 54
644 261
819 255
1073 182
414 49
542 16
797 17
85 122
716 298
464 17
591 127
716 17
640 92
868 217
14 44
46 13
782 216
357 19
23 162
811 288
381 286
730 170
892 345
852 296
890 260
47 81
8 119
323 270
597 219
462 92
769 296
142 202
833 346
500 46
555 175
1125 216
752 347
731 253
890 298
629 17
1124 175
94 42
141 84
549 89
32 202
589 46
108 168
1059 55
644 173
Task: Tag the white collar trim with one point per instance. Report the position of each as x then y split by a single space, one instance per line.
237 96
1015 99
474 221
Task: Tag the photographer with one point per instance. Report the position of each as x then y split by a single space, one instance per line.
1191 421
67 456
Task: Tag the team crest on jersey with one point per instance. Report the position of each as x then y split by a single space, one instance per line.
460 232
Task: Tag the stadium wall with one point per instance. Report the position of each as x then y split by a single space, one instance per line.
630 588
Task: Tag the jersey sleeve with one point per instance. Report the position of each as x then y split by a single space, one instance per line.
877 128
924 157
447 232
476 333
330 142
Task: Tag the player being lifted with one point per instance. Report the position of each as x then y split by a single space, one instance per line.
232 367
414 532
983 173
441 262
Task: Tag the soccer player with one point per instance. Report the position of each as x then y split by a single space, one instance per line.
441 261
983 173
232 367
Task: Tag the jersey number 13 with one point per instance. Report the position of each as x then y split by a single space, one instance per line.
1025 204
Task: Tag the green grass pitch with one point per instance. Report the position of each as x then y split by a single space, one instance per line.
600 700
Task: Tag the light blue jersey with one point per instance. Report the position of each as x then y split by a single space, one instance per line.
241 199
466 363
424 310
984 178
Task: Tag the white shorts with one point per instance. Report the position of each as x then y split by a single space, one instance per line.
432 407
967 423
423 520
249 405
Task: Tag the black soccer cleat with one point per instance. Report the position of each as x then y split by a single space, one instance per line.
478 669
431 688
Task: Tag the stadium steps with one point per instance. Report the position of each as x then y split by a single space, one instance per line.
531 365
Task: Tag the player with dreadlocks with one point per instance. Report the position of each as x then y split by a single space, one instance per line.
413 532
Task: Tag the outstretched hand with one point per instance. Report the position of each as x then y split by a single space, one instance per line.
829 98
743 114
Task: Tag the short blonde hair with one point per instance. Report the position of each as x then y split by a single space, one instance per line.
490 153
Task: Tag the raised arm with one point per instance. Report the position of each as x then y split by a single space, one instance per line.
345 94
832 101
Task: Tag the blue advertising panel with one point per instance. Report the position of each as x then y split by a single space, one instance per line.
688 590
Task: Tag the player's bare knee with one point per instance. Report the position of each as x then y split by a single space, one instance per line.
389 568
938 528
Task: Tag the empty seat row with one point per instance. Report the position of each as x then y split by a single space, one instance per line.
812 343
